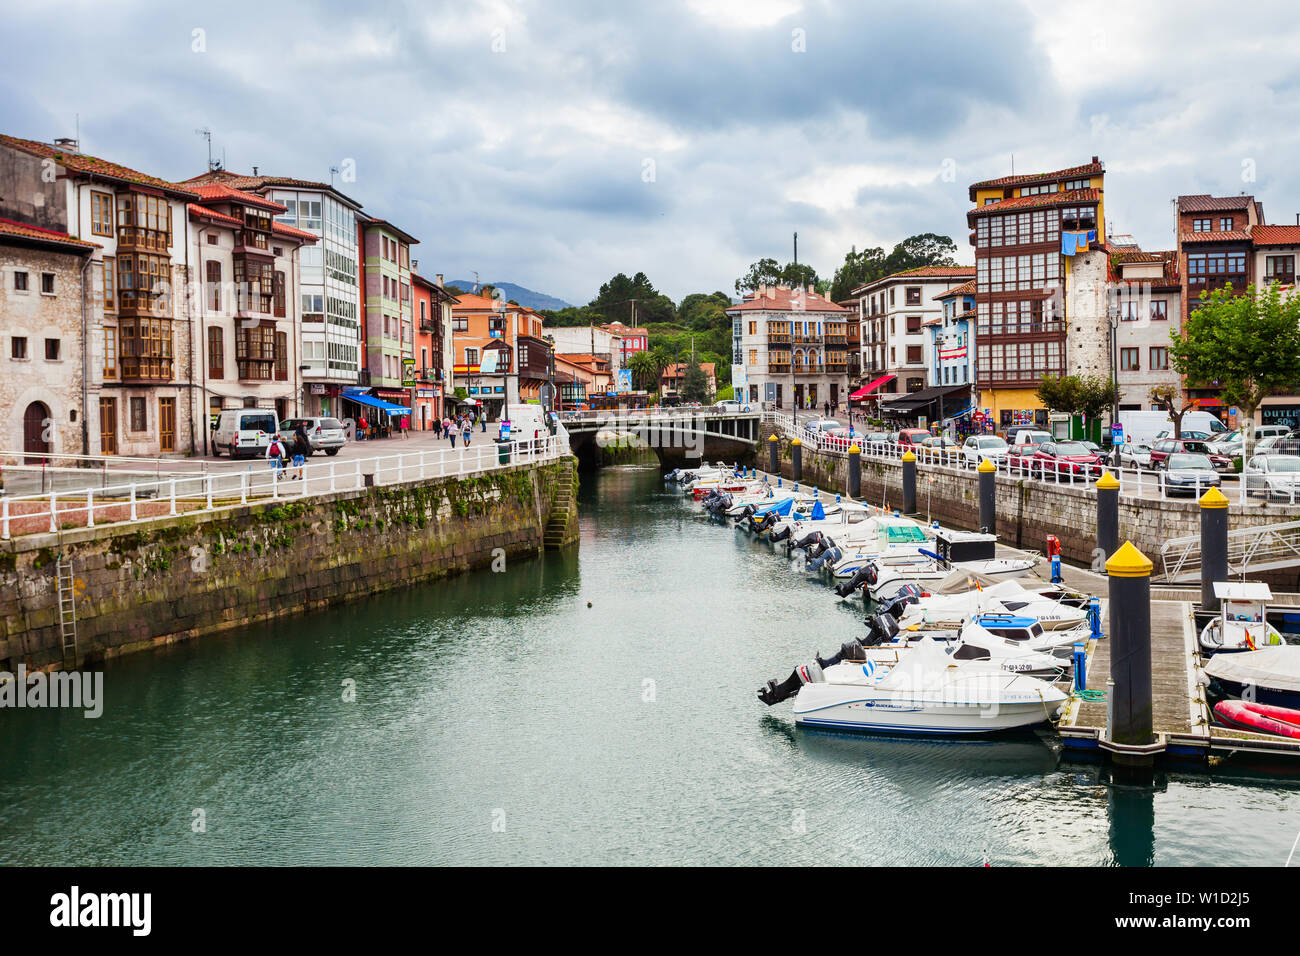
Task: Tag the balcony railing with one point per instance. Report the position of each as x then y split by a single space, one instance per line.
778 338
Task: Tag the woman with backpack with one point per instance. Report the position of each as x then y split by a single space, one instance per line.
275 455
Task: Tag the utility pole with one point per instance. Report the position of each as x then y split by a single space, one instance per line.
796 248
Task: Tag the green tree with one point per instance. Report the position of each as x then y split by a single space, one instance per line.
924 249
644 370
695 384
1060 393
858 269
1087 395
1247 345
762 272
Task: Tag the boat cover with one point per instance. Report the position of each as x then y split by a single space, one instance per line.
1273 667
923 667
818 512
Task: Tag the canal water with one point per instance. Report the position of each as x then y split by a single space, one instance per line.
500 719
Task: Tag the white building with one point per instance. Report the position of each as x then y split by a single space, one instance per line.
792 346
589 340
895 310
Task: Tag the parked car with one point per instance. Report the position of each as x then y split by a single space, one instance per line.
979 447
912 437
1193 434
1020 458
939 448
1068 458
244 432
1229 444
1189 473
323 434
1134 454
877 441
837 438
732 405
1165 447
1274 476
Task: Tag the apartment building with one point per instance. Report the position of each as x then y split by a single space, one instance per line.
45 285
247 313
792 347
434 350
388 311
329 288
893 312
952 338
501 356
1027 230
138 347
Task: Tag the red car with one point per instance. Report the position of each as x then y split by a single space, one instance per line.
1069 458
912 437
1020 458
1165 447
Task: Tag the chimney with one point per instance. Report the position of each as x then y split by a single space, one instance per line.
68 144
811 291
254 170
437 280
1095 160
415 265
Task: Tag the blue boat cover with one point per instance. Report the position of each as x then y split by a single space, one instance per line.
818 512
1004 620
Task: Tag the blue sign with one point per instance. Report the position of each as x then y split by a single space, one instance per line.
1117 433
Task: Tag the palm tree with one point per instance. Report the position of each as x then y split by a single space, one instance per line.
662 360
643 368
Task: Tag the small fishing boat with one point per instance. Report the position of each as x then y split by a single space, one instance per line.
925 693
1270 675
1262 718
1242 624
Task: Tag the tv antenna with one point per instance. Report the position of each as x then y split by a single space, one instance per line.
213 165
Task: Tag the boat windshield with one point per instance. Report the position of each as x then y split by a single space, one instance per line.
904 534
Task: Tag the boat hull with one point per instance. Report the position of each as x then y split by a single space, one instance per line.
854 708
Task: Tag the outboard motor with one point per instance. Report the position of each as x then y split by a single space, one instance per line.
745 513
898 605
775 693
808 541
827 557
881 627
782 534
860 579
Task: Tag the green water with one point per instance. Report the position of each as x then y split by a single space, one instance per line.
498 719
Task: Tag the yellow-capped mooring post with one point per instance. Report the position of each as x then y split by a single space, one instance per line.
909 483
796 460
855 471
1130 713
988 495
773 459
1214 545
1107 515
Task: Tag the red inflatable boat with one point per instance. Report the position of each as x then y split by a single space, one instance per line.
1281 721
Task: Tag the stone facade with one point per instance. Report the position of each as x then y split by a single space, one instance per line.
35 373
170 579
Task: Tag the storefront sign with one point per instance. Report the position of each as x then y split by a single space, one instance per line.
317 389
1287 415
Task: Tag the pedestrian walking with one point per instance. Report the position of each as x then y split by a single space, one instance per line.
275 455
301 449
466 431
450 428
406 424
362 425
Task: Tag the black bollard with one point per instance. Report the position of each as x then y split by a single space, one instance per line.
988 496
909 483
796 460
1107 516
855 472
1214 545
1129 571
773 451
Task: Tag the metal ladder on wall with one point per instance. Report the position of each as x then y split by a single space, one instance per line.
67 610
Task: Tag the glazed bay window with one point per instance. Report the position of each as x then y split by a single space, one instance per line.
146 346
144 283
254 284
214 285
101 214
216 353
255 351
144 222
110 351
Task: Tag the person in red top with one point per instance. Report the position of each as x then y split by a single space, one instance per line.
362 425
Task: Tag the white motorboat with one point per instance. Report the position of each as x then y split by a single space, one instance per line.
1005 597
1242 624
891 578
835 519
927 692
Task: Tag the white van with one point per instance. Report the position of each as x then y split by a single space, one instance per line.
528 422
1148 426
244 432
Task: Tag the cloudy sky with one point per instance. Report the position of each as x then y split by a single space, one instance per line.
556 143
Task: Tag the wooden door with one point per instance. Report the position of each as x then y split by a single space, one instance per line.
166 424
36 429
108 426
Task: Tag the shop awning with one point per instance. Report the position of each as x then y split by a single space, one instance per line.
378 403
870 387
926 396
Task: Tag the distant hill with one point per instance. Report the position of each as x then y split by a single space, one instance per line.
526 297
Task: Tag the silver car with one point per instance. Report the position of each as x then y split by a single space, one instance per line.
1134 454
323 434
979 447
1273 476
1186 473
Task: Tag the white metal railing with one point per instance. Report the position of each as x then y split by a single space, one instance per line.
175 494
1258 548
1134 482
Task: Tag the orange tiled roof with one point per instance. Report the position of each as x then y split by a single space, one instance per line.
677 369
238 181
1168 279
922 272
218 192
20 230
1036 202
281 229
1207 203
1074 172
198 210
1235 235
1275 235
966 288
93 166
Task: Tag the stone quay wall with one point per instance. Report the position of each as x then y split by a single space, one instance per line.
174 578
